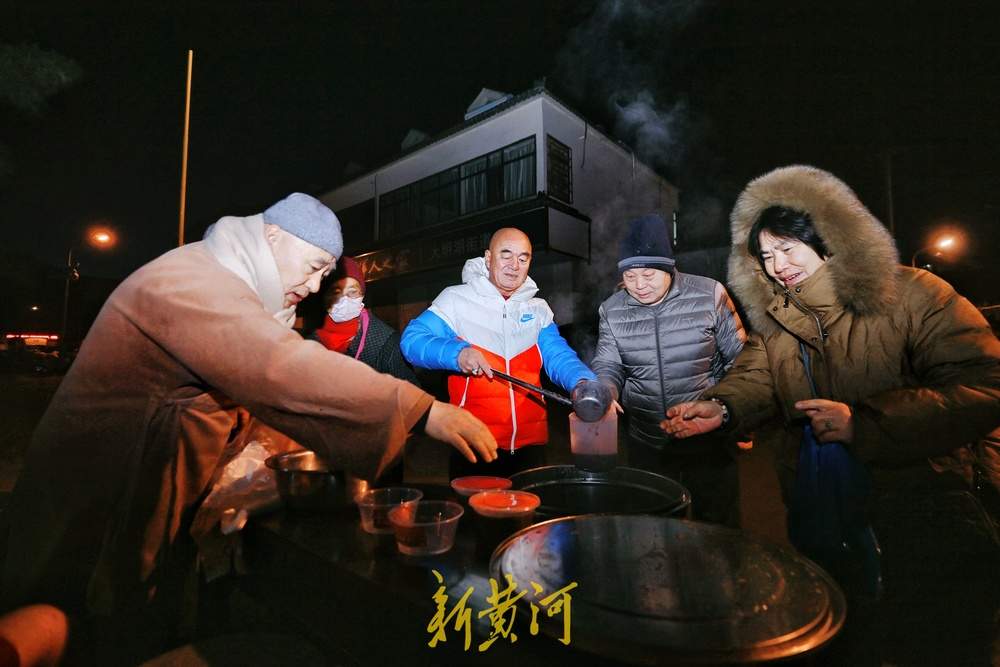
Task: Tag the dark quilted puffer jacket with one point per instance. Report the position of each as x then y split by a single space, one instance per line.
667 353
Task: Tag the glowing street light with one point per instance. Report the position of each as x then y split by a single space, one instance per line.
100 237
940 246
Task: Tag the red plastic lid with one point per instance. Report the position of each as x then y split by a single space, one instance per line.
473 484
502 504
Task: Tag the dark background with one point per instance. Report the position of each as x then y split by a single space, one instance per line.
286 95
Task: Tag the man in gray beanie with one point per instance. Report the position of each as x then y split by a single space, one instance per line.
190 354
666 337
309 219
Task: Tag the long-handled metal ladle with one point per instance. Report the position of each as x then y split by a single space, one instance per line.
527 385
589 405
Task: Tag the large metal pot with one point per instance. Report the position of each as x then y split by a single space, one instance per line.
566 490
307 482
653 590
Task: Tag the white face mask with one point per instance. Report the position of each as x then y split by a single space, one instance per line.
347 308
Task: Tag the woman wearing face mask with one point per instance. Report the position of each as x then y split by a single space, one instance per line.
349 328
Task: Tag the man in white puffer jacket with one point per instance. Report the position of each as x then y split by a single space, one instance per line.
494 320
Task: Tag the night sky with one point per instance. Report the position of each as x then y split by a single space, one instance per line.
285 95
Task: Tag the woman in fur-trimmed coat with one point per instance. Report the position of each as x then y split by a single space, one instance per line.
905 369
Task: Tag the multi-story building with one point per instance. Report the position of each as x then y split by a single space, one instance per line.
525 161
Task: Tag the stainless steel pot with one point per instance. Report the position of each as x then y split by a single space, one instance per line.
567 490
653 590
307 482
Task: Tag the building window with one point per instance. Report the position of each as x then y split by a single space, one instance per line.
560 170
519 170
358 223
499 177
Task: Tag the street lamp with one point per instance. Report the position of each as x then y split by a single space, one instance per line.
102 237
99 237
940 246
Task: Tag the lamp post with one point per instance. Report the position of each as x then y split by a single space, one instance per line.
72 273
940 245
97 237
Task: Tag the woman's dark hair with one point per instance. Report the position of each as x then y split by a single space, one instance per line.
785 223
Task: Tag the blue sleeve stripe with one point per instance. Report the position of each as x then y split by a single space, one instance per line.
561 363
428 342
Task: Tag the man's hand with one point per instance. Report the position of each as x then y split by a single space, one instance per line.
831 420
462 430
472 362
615 405
687 419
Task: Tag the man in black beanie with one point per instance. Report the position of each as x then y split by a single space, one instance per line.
664 339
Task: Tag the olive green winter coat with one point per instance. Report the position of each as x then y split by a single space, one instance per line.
916 361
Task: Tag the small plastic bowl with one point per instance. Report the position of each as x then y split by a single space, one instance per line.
426 527
500 514
376 503
473 484
504 504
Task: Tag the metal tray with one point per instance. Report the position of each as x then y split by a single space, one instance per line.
566 490
656 590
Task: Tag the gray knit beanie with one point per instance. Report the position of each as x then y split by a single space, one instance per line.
309 219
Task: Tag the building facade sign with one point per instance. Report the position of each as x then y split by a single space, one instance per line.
452 246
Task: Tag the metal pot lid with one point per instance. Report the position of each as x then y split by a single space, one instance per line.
567 490
656 590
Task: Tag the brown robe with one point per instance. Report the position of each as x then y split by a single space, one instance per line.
131 440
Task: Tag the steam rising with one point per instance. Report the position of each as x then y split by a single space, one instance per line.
657 134
618 59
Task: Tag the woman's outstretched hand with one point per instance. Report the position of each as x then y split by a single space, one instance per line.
687 419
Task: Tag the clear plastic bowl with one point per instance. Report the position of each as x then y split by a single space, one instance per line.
426 527
594 444
473 484
500 514
374 506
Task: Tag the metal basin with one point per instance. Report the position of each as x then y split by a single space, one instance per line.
307 482
566 490
655 590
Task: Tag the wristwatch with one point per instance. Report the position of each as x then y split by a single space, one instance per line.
725 409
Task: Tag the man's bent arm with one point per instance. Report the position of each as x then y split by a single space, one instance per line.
429 342
607 363
730 335
561 363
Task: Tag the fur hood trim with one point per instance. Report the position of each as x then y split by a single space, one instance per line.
863 262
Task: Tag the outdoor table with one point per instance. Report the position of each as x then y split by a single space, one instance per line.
353 593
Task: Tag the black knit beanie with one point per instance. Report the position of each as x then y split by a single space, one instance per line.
646 245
